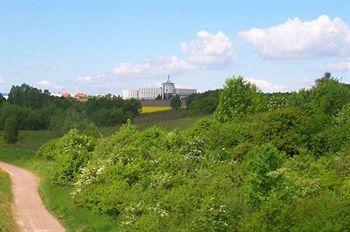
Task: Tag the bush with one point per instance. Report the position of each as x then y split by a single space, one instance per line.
280 167
70 152
260 183
11 130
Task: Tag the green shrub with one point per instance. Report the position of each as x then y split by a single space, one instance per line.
50 150
11 130
280 165
260 183
71 153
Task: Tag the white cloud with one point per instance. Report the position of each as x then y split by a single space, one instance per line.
159 67
44 83
91 80
339 66
209 49
296 39
206 51
266 85
48 85
2 81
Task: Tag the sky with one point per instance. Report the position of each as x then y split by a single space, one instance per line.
107 46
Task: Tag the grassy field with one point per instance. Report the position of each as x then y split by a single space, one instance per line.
30 140
168 120
7 221
152 109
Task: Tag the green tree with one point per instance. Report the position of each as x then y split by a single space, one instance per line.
203 103
329 96
2 99
11 130
175 102
92 130
238 97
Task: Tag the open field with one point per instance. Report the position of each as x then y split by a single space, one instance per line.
168 120
152 109
29 139
7 221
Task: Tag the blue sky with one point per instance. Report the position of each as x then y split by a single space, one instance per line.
107 46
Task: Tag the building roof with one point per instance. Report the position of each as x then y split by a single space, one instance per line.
65 95
80 95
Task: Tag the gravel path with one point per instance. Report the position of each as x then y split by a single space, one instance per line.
30 213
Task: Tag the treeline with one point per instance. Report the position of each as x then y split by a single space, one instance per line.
263 163
34 109
207 102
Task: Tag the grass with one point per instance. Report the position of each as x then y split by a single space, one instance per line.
7 220
29 139
152 109
171 124
168 120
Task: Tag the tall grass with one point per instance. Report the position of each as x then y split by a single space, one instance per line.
7 220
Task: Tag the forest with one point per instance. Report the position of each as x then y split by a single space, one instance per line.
261 162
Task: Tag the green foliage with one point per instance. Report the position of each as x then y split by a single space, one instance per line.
92 131
36 110
237 99
175 102
2 99
329 96
260 183
274 162
203 103
11 130
27 96
283 128
71 153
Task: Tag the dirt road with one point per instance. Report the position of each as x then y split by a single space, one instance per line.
30 212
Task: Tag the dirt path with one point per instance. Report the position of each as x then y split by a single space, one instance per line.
30 212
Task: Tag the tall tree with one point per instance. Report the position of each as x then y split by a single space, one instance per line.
2 99
175 102
238 98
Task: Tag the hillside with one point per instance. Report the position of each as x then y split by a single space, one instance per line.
264 162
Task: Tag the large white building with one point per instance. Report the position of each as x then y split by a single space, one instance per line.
165 92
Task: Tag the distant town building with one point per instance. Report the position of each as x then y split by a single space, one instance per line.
80 96
129 94
165 92
65 95
149 93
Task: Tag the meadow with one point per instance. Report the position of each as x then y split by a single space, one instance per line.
152 109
